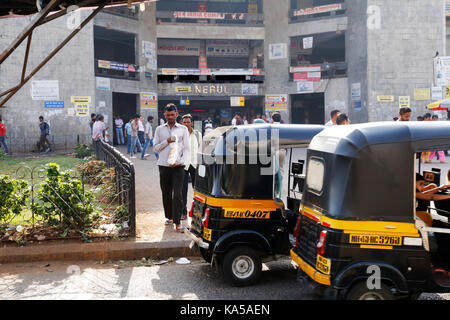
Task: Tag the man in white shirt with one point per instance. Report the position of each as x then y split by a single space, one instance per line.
98 130
118 123
141 131
148 136
334 114
172 139
190 169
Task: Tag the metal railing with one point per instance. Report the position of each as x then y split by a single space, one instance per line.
125 179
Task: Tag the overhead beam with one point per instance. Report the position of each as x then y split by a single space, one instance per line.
13 91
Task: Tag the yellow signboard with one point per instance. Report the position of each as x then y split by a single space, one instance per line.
385 98
422 94
404 101
82 110
183 89
80 100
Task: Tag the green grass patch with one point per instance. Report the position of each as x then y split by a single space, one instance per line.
9 166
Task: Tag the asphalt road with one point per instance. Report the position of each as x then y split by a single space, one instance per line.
136 280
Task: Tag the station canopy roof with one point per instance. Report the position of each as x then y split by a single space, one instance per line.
27 7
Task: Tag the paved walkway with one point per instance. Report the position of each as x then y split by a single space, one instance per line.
150 213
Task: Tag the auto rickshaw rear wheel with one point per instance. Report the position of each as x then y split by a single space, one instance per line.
241 266
360 291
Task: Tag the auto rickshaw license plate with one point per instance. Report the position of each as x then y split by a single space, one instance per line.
247 214
323 264
376 239
207 234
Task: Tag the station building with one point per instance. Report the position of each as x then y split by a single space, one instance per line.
303 58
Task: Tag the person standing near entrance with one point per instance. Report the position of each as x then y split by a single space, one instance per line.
148 136
134 135
98 129
190 169
118 122
141 131
3 136
171 141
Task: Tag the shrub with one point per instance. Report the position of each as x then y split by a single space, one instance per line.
13 197
91 171
62 195
83 150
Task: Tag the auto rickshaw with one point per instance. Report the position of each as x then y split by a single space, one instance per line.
237 220
359 235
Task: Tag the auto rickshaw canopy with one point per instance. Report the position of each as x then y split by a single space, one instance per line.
368 169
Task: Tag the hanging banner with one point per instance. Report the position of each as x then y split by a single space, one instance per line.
308 76
149 100
442 71
319 9
276 102
306 69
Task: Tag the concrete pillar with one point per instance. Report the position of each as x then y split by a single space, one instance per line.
276 69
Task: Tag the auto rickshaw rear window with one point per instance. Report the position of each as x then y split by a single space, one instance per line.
315 176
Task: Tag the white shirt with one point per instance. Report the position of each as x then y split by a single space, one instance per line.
148 130
233 122
161 146
329 124
141 125
118 123
194 143
97 130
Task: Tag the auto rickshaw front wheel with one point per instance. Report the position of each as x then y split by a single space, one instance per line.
241 266
360 291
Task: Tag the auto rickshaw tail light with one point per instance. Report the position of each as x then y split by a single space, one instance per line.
192 210
320 247
205 218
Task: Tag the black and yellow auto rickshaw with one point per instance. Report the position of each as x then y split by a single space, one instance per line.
359 235
237 220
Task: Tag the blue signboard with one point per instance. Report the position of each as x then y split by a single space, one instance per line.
54 104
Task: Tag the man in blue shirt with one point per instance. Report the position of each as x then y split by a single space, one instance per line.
45 131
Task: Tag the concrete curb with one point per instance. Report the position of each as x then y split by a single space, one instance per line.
105 250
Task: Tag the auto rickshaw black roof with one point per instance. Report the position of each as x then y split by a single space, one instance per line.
221 178
285 136
369 168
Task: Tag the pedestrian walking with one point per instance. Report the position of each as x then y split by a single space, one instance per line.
134 135
118 123
171 141
3 136
45 132
128 135
333 115
342 119
141 131
190 168
148 136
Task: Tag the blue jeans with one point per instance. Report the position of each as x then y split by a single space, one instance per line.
3 142
119 133
146 144
134 140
